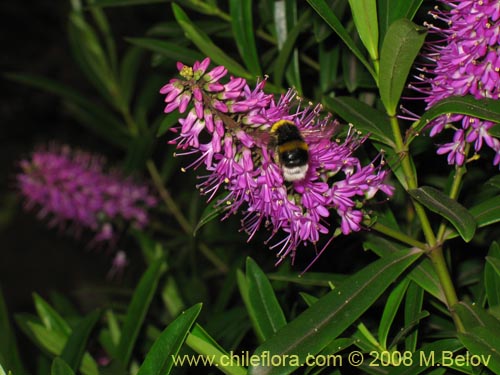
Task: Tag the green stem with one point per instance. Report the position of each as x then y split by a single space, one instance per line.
436 252
437 259
179 216
167 198
397 235
454 191
411 180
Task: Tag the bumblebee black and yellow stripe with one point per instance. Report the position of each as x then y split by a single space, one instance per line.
286 131
278 124
292 145
291 150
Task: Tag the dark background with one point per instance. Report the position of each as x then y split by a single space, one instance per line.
32 257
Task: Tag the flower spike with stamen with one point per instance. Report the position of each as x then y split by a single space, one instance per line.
244 164
464 60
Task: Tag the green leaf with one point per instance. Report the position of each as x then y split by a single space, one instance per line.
129 68
400 48
168 49
422 273
478 337
91 58
243 30
454 212
413 308
74 348
168 121
495 263
292 73
363 117
482 343
332 314
491 275
201 342
494 131
213 210
264 310
364 14
50 318
60 367
309 278
205 44
119 3
159 360
391 308
329 60
321 7
285 55
428 356
137 310
9 355
95 117
390 11
486 109
53 342
487 212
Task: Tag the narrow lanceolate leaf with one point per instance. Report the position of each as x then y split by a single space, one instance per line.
400 48
267 311
286 51
205 44
482 343
364 14
137 310
60 367
50 317
487 212
422 273
53 342
477 336
427 357
332 314
201 342
390 11
74 349
363 117
212 211
450 209
491 275
486 109
243 30
168 49
413 307
159 360
9 355
324 11
390 310
120 3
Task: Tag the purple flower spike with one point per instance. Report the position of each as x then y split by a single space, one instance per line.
71 188
464 61
243 161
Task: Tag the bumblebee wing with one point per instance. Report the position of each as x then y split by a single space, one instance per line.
262 138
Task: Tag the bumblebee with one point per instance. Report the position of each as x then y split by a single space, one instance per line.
292 151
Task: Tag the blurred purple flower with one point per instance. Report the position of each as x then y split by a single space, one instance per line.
72 188
234 121
465 60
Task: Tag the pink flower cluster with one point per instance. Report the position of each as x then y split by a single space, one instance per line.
72 188
226 127
466 61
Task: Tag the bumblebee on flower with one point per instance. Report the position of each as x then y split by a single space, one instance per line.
276 160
